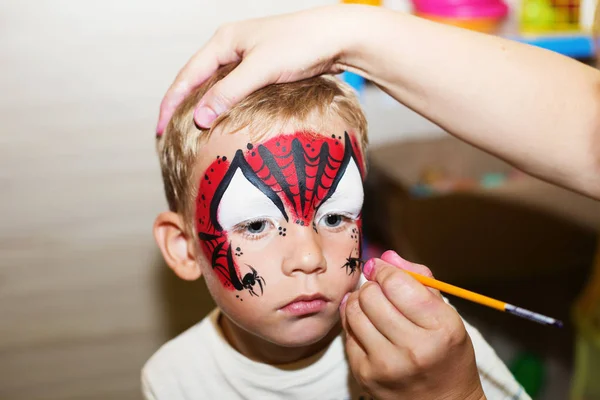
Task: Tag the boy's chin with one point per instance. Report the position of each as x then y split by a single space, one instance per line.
306 333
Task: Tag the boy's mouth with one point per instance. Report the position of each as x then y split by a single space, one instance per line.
306 304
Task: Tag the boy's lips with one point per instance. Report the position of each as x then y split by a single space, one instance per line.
306 304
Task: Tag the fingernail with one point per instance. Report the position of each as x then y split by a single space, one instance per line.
161 124
344 299
205 116
368 268
393 258
159 129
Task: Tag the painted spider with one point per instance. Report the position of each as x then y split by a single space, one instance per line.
251 279
352 263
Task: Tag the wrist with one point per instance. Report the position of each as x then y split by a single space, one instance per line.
364 31
469 390
356 27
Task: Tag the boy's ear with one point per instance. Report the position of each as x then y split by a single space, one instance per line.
176 246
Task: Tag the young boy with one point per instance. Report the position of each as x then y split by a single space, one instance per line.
270 216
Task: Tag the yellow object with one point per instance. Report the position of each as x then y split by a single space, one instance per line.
367 2
547 16
485 25
484 300
596 33
586 315
430 176
458 292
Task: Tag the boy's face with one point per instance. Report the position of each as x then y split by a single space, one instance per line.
278 223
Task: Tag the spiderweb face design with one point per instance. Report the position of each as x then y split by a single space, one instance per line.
297 173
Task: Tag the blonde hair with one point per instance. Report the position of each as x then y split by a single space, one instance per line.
179 146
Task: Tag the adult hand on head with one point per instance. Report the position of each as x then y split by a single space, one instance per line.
403 340
433 76
275 49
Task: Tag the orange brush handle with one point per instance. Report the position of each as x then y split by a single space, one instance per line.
484 300
458 292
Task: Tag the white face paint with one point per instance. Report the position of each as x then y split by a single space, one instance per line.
348 196
242 201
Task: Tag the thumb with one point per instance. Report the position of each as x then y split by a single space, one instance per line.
343 310
246 78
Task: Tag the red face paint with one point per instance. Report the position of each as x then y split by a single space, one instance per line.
297 172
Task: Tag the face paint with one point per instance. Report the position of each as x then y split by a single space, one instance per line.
300 178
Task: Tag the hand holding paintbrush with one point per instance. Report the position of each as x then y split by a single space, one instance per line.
404 341
478 298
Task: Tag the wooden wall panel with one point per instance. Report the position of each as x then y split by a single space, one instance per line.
84 296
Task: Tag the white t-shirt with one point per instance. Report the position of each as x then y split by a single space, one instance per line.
200 364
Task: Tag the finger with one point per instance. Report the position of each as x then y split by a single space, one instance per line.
356 354
409 296
249 76
369 338
343 309
354 350
384 316
198 69
393 258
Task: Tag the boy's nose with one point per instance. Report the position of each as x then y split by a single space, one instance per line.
304 253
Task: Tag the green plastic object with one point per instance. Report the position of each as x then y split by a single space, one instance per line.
529 370
585 384
538 14
492 180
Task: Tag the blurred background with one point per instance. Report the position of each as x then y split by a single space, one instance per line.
85 298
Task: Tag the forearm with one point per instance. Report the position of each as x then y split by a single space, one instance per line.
536 109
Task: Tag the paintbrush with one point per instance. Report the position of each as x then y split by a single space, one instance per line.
483 300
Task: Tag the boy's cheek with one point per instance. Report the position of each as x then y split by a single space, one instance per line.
342 250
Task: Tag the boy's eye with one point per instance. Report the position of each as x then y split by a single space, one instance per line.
254 230
256 227
333 220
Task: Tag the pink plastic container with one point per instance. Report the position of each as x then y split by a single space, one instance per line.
480 15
